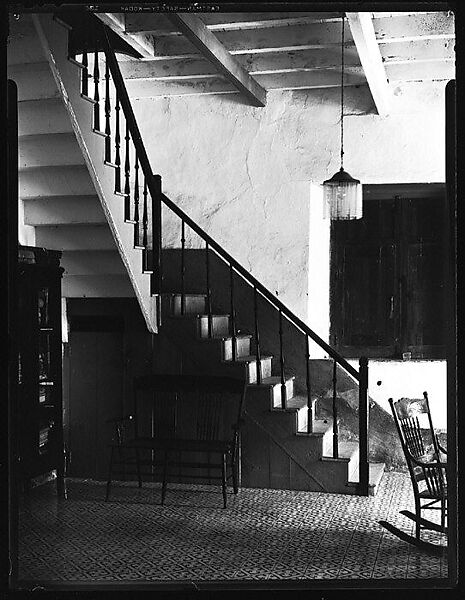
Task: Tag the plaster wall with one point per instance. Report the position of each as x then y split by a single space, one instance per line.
318 271
409 379
244 173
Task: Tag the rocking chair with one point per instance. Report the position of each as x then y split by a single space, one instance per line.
427 465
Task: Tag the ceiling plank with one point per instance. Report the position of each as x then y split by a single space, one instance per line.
210 47
141 42
421 71
250 41
420 49
439 24
363 33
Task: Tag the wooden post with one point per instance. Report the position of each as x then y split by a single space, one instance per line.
157 275
10 144
364 472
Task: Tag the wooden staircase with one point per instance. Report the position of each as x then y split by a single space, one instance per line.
299 460
69 199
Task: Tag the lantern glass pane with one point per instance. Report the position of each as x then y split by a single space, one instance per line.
342 201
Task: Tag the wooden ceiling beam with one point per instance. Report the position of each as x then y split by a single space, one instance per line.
210 47
363 33
141 42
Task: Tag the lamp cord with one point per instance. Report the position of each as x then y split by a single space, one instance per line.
342 91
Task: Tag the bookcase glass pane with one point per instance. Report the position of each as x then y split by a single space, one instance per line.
44 357
43 305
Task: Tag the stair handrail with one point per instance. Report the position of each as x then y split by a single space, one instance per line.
294 319
155 192
154 185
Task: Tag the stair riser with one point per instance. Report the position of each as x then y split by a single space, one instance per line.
328 443
242 348
34 80
59 181
93 263
276 392
192 305
36 117
265 369
250 369
220 326
97 286
302 419
353 467
79 237
207 352
58 149
63 210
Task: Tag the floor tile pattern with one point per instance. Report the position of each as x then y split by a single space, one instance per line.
262 535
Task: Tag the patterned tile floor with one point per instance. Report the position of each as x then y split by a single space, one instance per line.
262 535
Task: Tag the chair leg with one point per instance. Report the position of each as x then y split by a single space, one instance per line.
223 479
418 515
165 474
443 513
139 477
235 471
110 472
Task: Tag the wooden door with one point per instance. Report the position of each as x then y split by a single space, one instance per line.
422 246
95 394
387 275
363 278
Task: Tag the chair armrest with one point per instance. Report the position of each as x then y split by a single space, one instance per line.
441 448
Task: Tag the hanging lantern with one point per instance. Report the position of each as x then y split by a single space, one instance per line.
342 197
342 193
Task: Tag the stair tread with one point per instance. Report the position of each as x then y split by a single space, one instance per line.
273 380
347 450
319 428
296 402
186 294
249 358
239 336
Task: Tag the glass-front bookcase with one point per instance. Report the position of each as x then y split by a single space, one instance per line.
40 412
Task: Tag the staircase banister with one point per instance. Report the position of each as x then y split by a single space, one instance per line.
147 169
260 287
128 113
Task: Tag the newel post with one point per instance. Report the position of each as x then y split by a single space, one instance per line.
157 236
363 415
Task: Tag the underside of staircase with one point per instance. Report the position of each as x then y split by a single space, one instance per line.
69 204
61 208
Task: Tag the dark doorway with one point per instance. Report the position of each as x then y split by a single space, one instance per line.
96 385
388 274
